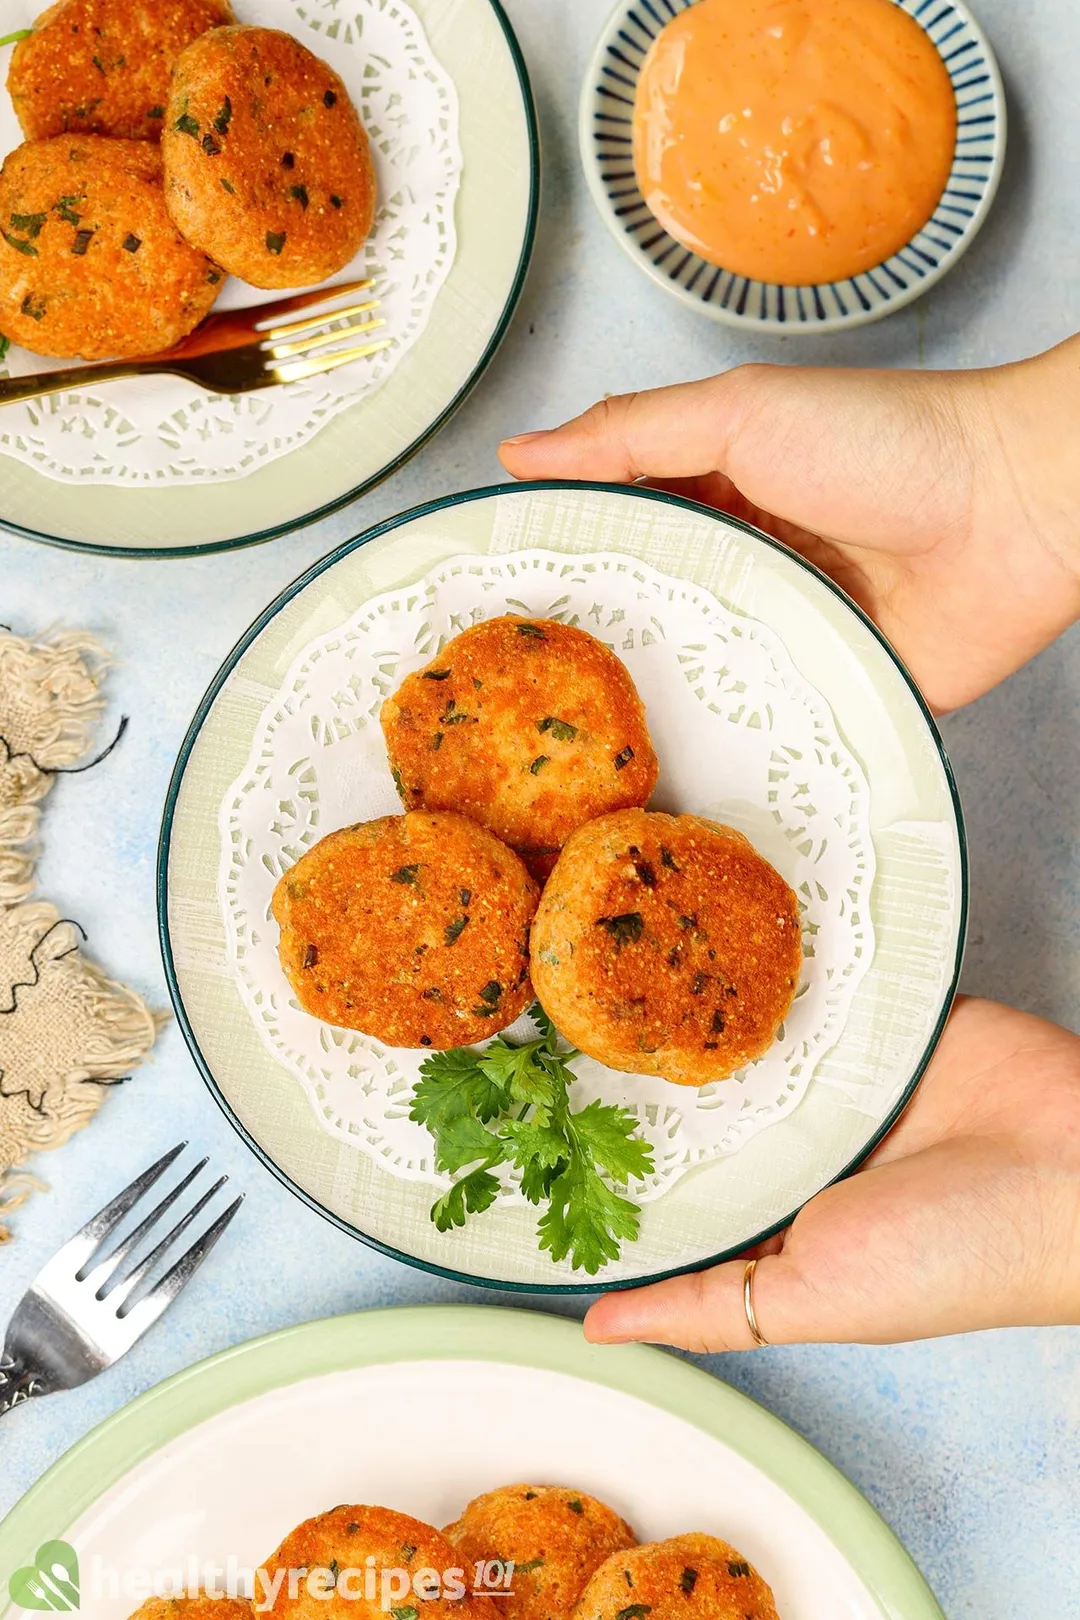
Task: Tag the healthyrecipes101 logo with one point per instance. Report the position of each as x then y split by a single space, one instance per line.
52 1582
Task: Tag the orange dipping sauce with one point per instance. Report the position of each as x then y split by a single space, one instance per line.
794 141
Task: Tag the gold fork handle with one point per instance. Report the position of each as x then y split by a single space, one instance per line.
13 389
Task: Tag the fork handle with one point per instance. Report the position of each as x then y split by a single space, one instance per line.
13 389
17 1383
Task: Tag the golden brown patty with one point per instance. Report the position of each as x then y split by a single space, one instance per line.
102 67
91 266
339 1543
529 726
694 1577
197 1607
414 929
268 166
666 945
555 1537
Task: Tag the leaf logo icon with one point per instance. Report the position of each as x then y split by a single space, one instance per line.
51 1582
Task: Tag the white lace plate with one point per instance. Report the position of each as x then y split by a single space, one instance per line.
159 431
741 736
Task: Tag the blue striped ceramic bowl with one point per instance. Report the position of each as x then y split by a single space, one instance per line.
606 147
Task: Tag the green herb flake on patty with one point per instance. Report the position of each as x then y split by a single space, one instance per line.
625 929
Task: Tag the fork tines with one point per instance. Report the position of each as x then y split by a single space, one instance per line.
288 342
122 1278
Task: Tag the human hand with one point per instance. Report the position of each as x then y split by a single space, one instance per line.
967 1216
943 502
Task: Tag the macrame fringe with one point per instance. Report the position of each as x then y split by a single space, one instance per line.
50 706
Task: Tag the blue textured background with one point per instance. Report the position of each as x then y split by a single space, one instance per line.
968 1447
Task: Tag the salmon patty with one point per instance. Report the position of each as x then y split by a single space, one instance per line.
556 1537
529 726
198 1606
268 167
666 945
413 929
369 1563
693 1577
102 67
91 265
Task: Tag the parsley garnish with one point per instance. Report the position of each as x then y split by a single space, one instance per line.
275 241
510 1106
5 345
25 248
186 125
30 223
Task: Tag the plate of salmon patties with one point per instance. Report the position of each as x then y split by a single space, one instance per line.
541 880
168 170
567 1483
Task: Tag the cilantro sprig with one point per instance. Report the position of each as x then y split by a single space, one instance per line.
509 1106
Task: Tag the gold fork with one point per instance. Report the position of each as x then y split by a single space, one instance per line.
238 350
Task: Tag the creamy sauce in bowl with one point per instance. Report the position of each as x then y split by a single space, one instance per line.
794 141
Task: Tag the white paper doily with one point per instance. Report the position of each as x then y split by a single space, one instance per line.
160 430
741 737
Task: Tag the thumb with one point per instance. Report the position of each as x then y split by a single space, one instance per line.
705 1311
946 1241
676 432
869 459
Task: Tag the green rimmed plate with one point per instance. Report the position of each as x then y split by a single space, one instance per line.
918 903
339 1411
495 216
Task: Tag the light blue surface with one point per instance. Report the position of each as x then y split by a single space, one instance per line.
968 1447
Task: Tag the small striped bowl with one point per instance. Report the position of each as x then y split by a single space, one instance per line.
606 135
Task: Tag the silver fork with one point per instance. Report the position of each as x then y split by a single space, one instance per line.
238 350
84 1310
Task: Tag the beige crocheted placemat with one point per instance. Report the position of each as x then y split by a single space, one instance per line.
66 1029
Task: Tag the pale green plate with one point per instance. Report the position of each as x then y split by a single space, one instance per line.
918 902
226 1457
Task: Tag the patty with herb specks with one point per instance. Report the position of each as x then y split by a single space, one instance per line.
268 167
666 945
413 929
102 67
692 1577
91 265
193 1606
556 1537
338 1545
529 726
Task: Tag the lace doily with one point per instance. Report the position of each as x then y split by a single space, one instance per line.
161 430
741 738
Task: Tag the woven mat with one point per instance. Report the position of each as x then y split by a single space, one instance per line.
66 1029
